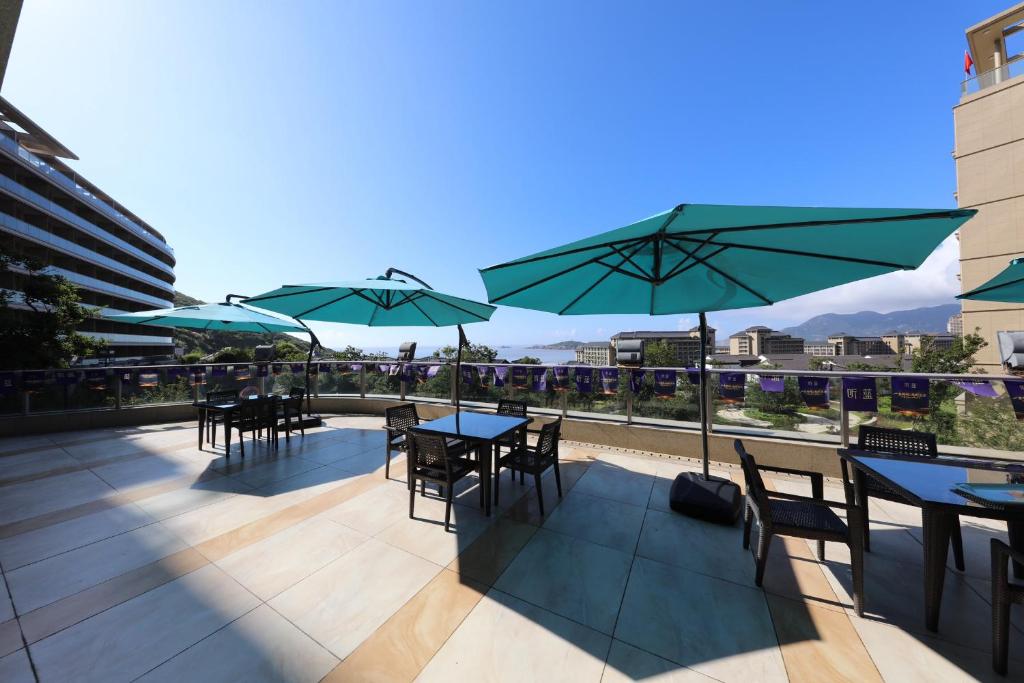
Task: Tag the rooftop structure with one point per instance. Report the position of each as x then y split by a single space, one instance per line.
685 344
595 353
760 340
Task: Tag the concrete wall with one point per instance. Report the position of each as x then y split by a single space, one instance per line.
989 153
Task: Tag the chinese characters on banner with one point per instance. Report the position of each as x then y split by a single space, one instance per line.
609 381
197 376
500 375
859 394
772 383
96 379
814 391
731 387
910 395
1015 388
664 383
636 380
539 379
467 374
584 380
520 375
561 377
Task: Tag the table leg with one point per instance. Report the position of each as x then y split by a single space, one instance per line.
1015 531
227 433
202 426
937 528
487 457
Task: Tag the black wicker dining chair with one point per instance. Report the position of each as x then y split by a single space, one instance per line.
291 409
897 442
256 415
213 418
787 514
534 460
511 408
1004 594
431 460
397 421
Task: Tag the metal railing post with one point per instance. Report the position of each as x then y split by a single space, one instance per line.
451 387
844 418
401 382
709 409
117 389
315 381
362 380
629 407
565 403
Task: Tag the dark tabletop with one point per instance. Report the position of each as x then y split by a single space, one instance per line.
931 480
478 426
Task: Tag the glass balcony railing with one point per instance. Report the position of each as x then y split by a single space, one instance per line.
987 79
972 414
69 183
105 287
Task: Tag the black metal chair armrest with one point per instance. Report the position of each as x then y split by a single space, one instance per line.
790 470
824 502
1002 552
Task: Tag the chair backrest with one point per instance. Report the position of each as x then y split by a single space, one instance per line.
227 395
249 391
401 417
899 441
257 411
752 476
429 450
547 443
297 392
511 408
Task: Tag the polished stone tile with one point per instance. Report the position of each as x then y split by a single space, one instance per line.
711 549
188 498
10 637
148 471
6 608
32 546
35 464
375 510
487 557
163 622
424 534
712 626
343 603
274 564
577 579
627 663
607 480
15 668
42 496
275 470
57 577
261 646
506 639
207 522
599 520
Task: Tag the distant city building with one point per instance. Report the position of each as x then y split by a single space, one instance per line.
596 353
760 340
819 348
912 342
955 325
989 142
850 345
685 345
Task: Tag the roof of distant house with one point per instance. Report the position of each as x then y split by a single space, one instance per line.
658 334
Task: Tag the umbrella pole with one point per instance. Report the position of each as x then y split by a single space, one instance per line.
313 343
458 369
704 393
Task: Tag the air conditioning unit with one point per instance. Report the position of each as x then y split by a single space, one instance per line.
1011 349
629 352
407 351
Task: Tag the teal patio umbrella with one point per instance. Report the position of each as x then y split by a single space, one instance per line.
395 299
1007 286
698 258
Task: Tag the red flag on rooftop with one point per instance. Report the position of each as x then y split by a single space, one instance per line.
968 62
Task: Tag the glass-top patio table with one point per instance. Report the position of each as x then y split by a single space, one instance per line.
928 483
480 429
228 408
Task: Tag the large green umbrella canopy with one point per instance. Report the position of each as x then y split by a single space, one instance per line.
384 301
707 257
226 316
1007 286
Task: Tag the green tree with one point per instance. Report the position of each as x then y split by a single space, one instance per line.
472 353
231 354
956 359
660 355
289 351
527 360
38 327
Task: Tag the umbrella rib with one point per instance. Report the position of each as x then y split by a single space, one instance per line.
567 252
721 272
808 254
629 259
682 263
284 294
952 213
566 271
354 292
646 277
983 289
601 279
420 309
449 303
678 270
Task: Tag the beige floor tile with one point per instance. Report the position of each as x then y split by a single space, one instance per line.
272 565
35 463
260 647
309 484
10 637
673 538
213 520
343 603
42 496
375 510
57 577
18 551
487 557
506 639
632 463
163 622
612 481
599 520
17 444
627 663
571 577
275 470
424 534
15 668
331 452
193 497
732 639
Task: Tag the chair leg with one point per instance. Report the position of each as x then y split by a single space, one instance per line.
412 499
865 523
764 541
957 541
423 487
1000 613
748 518
387 463
448 506
558 480
497 480
857 569
241 442
821 551
521 476
540 492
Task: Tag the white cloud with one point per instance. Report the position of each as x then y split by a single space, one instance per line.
683 324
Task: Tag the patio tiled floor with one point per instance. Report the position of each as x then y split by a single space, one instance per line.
130 554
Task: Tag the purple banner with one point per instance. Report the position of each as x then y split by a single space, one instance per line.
609 381
262 370
636 380
148 378
433 370
539 379
814 391
732 387
174 374
326 368
560 374
859 394
96 379
693 375
276 368
395 371
909 396
978 387
664 383
520 376
354 368
298 368
467 374
772 383
407 373
33 379
240 372
484 373
500 375
197 376
65 377
1015 388
584 380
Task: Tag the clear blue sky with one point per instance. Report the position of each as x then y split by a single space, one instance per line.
277 143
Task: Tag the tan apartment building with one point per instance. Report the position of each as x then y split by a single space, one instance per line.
685 345
850 345
989 154
595 353
759 340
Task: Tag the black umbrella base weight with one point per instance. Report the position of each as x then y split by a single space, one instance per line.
713 500
308 422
